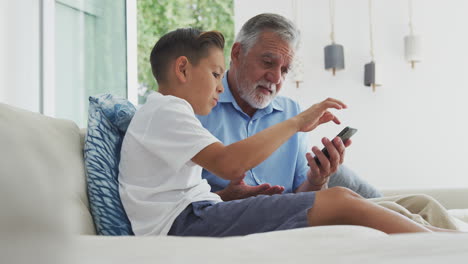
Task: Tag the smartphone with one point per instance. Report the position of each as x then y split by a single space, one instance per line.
345 134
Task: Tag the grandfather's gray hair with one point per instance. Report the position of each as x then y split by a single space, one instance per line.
258 24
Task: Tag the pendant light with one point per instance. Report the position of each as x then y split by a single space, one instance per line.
297 68
298 71
412 41
334 53
371 75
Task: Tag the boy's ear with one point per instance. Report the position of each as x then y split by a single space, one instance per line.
235 53
181 64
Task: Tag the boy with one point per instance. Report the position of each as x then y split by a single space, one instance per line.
166 147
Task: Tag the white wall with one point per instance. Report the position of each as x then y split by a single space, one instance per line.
19 53
412 130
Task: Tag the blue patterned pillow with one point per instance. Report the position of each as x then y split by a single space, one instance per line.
108 121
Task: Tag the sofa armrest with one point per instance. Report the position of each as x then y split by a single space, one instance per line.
450 198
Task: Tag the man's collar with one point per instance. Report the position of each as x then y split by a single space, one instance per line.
227 97
276 105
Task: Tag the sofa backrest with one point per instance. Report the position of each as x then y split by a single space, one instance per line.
46 153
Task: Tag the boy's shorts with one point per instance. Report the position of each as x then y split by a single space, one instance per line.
257 214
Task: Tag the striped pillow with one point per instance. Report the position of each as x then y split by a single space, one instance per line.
108 121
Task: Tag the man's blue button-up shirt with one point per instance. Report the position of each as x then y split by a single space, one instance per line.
287 166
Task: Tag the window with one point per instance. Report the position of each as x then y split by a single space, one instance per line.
90 47
157 17
90 54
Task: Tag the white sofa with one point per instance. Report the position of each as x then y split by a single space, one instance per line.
44 209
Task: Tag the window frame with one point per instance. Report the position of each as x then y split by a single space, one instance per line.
47 52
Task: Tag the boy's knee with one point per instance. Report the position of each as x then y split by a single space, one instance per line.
342 199
335 206
342 193
349 202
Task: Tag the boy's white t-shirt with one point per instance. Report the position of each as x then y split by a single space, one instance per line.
157 178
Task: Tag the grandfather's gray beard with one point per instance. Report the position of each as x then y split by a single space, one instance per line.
248 92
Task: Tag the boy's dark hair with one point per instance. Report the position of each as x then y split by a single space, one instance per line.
189 42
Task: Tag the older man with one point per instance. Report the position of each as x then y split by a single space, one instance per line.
260 60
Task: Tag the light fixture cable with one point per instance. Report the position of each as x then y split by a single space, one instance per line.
410 9
332 20
371 28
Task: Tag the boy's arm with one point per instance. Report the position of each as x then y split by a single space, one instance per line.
230 162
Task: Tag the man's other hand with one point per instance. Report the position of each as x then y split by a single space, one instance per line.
240 190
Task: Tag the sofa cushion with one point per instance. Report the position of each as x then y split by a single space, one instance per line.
42 172
324 244
108 121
